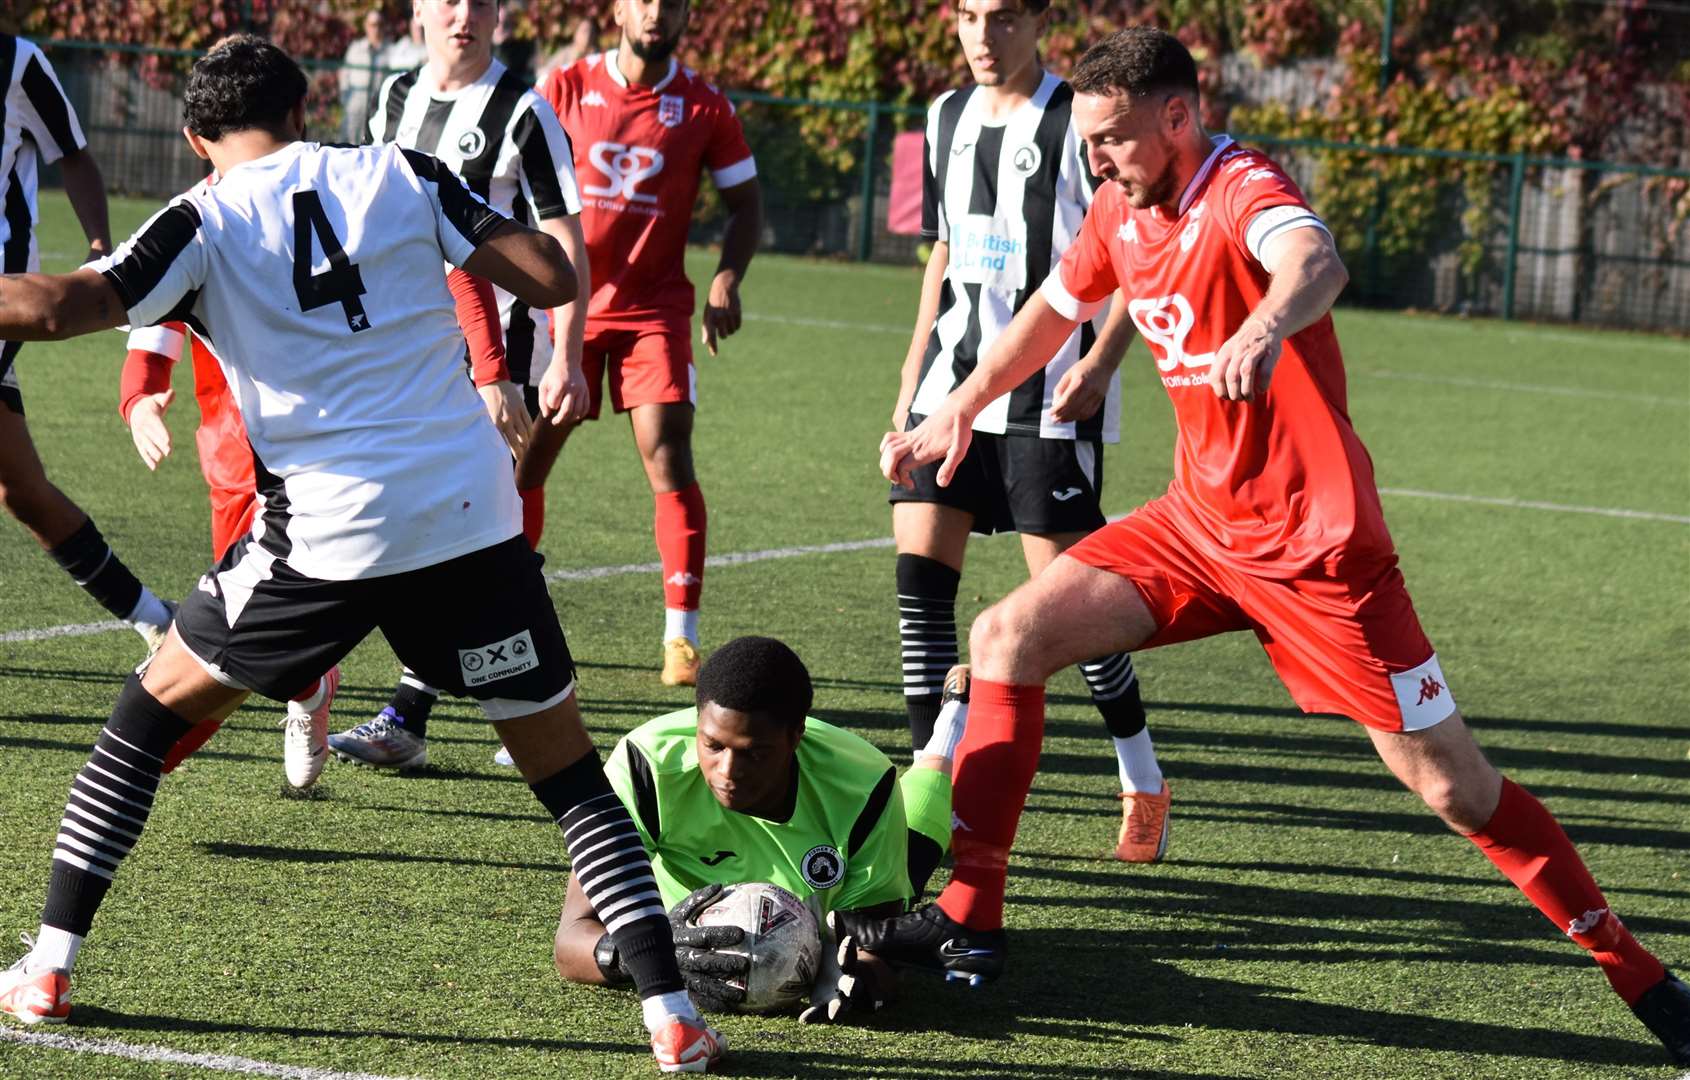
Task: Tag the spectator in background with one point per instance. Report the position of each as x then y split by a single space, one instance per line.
583 41
407 52
358 81
511 47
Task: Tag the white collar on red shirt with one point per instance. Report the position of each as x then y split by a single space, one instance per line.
622 80
1220 144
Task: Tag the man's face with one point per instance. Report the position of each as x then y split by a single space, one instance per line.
651 29
999 38
372 27
746 758
458 30
1131 142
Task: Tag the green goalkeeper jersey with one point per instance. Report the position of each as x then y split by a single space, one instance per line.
846 843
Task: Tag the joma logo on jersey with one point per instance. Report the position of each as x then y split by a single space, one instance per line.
1165 323
624 167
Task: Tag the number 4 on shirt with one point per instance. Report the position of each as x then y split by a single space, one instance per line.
340 283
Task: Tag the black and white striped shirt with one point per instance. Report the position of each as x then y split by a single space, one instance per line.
1007 197
316 276
40 128
509 147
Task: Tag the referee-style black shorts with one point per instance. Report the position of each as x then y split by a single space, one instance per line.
480 625
1019 483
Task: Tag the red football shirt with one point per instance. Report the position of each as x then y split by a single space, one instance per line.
1277 486
639 154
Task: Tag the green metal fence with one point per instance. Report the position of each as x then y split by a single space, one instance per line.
1483 234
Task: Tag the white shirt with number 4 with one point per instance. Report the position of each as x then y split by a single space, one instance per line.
315 275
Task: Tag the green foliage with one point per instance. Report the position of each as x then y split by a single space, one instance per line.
1543 77
1540 79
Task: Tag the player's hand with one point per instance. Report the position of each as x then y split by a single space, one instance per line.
721 309
146 427
508 412
1244 364
564 397
847 988
901 411
707 972
944 436
1080 392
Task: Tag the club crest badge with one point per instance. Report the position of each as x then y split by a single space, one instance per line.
471 143
671 110
822 867
1026 160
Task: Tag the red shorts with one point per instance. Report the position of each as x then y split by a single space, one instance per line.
650 365
1351 646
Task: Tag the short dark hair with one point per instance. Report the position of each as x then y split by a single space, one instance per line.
757 675
1140 60
244 83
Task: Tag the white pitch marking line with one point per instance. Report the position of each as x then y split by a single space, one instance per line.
737 558
1532 504
1528 388
826 324
742 558
227 1063
68 630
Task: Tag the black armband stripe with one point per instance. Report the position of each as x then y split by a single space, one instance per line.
873 811
645 793
50 104
152 252
539 167
473 219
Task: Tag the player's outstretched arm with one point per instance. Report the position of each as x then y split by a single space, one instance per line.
52 307
86 190
744 227
1307 276
526 263
1025 346
1084 388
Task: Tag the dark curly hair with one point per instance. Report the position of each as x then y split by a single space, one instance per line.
1140 60
243 83
757 675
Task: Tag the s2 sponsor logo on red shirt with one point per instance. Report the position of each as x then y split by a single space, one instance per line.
1166 322
623 167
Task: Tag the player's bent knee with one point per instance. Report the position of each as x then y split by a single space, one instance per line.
1002 644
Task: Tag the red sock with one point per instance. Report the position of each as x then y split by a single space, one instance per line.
679 526
1527 844
196 737
533 514
995 763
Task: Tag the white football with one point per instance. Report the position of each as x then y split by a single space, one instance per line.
782 940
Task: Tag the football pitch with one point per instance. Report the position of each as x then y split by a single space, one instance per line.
1312 919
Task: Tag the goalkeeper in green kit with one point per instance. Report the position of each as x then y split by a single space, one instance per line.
748 787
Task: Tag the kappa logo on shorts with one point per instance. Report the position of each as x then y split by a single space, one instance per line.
500 660
822 867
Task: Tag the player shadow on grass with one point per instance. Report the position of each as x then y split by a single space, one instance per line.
91 1017
1273 923
322 856
1102 985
